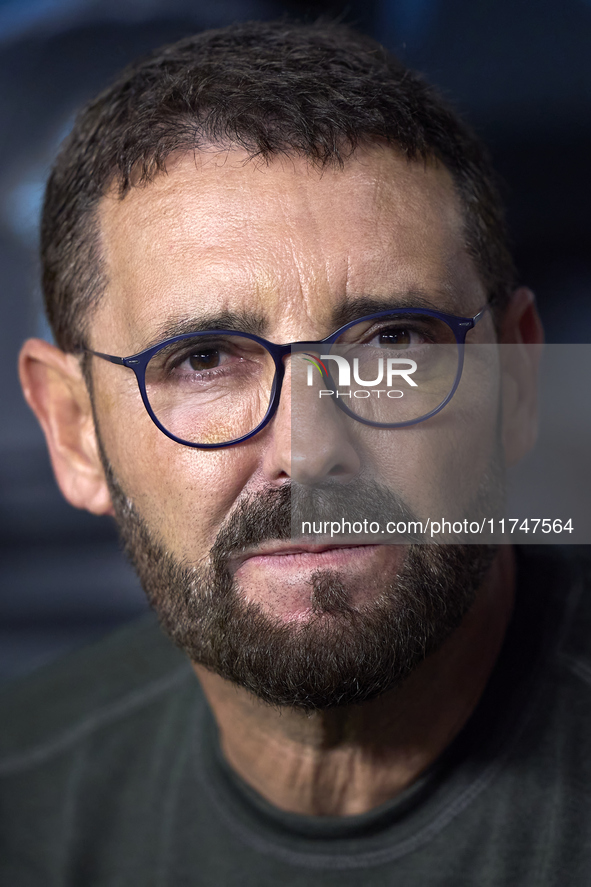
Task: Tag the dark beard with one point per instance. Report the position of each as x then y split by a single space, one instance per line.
341 655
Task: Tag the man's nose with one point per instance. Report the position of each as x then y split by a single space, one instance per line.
311 440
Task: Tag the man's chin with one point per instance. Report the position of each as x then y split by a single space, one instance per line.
295 583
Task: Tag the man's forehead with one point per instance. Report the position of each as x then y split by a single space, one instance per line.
283 241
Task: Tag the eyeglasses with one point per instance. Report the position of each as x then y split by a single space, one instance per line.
217 388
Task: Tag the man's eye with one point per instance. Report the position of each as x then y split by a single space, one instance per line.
400 337
205 359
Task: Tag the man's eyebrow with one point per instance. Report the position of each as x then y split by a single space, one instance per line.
348 310
237 321
353 308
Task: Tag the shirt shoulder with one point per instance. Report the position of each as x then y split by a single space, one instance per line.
108 682
574 650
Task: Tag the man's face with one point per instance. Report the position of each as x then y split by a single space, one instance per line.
286 247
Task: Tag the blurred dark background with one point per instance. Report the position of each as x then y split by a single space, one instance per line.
519 71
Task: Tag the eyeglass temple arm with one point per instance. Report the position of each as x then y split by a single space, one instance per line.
482 311
110 357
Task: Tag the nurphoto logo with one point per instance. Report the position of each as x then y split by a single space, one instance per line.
394 369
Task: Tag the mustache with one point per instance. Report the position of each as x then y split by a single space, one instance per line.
279 513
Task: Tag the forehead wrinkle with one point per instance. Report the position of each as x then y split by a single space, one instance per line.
302 247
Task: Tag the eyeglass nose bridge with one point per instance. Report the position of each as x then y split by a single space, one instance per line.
281 352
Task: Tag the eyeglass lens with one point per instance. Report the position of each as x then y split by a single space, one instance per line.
400 368
210 389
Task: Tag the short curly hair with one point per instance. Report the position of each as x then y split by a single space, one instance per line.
270 88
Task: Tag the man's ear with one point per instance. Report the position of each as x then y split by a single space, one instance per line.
54 388
521 336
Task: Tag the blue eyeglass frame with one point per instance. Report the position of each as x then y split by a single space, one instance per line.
460 326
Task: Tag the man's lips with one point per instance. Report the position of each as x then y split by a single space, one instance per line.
281 553
277 574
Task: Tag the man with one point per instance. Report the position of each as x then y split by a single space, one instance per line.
365 713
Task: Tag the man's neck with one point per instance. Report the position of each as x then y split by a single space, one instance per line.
348 761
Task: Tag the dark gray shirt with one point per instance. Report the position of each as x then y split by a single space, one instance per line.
111 774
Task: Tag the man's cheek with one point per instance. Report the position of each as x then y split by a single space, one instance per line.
187 494
436 468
